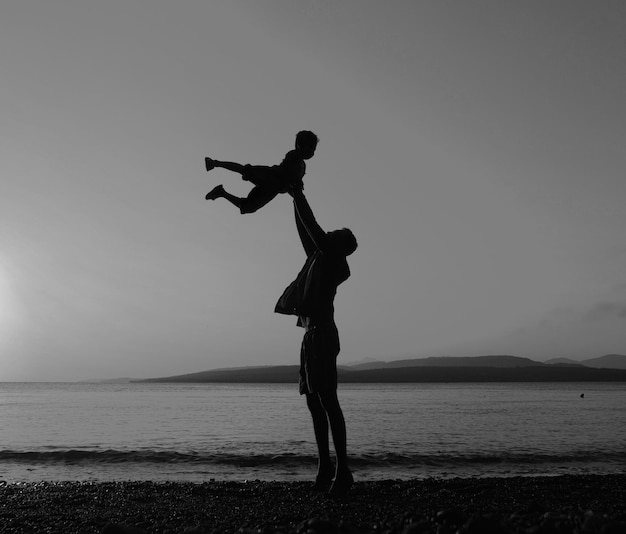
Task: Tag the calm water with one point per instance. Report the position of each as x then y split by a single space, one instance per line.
195 432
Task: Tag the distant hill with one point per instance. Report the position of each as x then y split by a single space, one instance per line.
269 374
368 363
610 361
470 369
562 361
499 361
540 373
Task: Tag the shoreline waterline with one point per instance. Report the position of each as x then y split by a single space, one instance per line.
171 466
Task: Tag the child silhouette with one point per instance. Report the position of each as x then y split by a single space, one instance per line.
268 181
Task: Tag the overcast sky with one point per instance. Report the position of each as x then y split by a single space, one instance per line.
475 148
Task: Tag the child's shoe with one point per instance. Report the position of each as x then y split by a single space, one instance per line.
214 193
209 164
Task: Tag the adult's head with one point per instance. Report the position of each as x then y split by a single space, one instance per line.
343 240
306 143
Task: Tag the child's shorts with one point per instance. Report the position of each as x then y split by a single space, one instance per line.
318 359
262 175
267 184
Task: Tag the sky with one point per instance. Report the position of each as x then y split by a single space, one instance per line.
476 150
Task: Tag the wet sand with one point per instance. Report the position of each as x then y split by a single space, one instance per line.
539 505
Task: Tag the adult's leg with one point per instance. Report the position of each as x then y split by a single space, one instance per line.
343 476
330 404
325 468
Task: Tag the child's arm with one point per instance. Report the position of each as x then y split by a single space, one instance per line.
304 216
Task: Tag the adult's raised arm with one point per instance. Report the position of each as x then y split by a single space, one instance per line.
306 221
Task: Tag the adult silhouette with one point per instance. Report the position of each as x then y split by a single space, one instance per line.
311 297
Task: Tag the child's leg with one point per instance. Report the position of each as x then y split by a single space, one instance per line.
257 198
219 192
228 165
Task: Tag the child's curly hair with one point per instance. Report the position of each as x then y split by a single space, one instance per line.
306 138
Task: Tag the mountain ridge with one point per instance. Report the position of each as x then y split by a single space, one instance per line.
499 361
433 369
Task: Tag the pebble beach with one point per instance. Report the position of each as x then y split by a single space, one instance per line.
561 504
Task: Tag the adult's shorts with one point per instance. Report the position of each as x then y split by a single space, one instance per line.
318 359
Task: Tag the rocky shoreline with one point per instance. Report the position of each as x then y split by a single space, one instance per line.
584 504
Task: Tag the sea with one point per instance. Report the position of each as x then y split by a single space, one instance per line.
241 432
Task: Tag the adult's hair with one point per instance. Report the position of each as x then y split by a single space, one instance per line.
346 240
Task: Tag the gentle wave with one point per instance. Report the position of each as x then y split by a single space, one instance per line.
365 461
148 456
